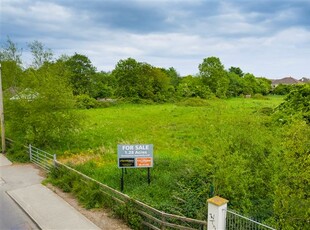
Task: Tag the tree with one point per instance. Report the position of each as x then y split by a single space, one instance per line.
236 85
190 86
82 74
236 70
140 80
282 89
264 85
42 113
11 75
40 54
104 85
173 75
213 74
10 58
11 52
250 84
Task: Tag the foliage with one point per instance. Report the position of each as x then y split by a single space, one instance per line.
190 86
104 85
10 52
90 195
81 75
236 70
291 206
140 80
16 152
40 54
84 101
296 105
12 74
282 89
213 74
236 85
41 113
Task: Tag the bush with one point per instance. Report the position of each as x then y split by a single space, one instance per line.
84 101
18 154
260 97
296 105
282 89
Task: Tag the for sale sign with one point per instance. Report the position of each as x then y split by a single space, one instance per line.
135 156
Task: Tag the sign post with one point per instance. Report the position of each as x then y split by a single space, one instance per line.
135 156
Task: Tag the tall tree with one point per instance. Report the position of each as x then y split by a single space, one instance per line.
10 58
10 52
82 74
140 80
173 75
213 74
236 70
42 112
40 54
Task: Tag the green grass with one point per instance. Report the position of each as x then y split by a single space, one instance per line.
194 147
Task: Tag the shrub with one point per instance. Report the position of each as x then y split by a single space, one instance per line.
84 101
296 105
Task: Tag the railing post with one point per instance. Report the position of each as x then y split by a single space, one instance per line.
216 215
54 157
163 219
30 152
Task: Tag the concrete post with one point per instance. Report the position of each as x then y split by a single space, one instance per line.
217 207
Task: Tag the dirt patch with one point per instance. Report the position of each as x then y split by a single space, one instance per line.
102 218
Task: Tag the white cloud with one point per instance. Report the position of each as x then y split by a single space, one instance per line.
169 33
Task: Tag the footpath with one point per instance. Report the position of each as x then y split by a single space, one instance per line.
22 183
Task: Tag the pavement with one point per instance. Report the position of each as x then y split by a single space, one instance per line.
44 208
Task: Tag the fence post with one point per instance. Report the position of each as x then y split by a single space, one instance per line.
216 215
54 157
30 152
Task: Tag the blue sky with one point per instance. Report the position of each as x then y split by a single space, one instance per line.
269 38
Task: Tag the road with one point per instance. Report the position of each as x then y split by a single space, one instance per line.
12 217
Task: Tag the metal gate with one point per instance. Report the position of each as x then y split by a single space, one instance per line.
236 221
41 158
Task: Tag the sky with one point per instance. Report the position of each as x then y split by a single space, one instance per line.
268 38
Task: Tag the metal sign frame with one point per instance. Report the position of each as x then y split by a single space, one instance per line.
135 156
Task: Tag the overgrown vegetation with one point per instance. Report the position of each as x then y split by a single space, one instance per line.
90 195
252 151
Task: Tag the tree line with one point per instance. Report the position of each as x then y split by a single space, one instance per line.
130 78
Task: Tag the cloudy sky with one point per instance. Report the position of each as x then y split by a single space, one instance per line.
269 38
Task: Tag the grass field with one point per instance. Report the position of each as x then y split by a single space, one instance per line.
221 145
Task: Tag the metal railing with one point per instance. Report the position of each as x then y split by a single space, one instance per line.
236 221
41 158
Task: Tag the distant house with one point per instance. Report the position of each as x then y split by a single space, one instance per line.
285 81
